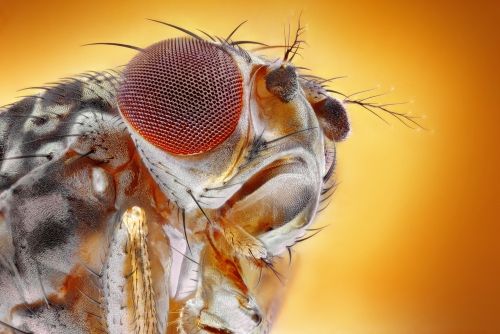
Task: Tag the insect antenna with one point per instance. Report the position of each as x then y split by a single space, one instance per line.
334 91
372 96
360 92
406 119
296 49
286 37
190 33
128 46
291 50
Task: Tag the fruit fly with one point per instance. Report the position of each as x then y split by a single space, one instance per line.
163 197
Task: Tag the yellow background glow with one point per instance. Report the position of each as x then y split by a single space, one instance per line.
413 243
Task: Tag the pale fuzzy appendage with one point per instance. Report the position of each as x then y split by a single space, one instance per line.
102 233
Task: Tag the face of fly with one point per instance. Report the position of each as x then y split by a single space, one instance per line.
206 126
244 145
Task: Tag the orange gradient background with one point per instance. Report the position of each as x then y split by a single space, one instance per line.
413 243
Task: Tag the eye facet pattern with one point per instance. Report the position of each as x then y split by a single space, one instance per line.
182 95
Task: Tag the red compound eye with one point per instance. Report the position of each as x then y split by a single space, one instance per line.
182 95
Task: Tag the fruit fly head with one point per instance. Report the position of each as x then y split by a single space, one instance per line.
199 109
247 141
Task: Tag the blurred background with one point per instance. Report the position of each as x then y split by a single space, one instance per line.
413 237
